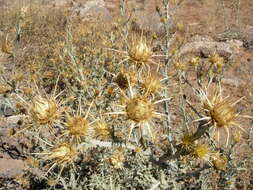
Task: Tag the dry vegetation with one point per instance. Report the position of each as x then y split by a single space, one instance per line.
105 108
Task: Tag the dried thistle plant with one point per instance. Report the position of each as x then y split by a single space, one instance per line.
77 126
117 159
102 130
7 47
139 53
61 155
140 110
220 113
45 111
202 151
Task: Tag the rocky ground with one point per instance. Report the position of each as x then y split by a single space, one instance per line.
211 27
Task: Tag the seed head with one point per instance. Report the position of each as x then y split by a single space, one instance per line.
62 154
194 61
152 84
139 52
220 162
201 151
7 47
187 141
139 109
45 111
117 159
102 130
4 89
217 61
180 66
78 127
220 112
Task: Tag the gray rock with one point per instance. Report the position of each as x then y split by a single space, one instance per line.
207 46
148 21
10 168
94 9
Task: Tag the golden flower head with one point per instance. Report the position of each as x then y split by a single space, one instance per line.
152 84
139 109
194 61
237 135
4 89
45 110
187 141
220 162
102 130
216 60
7 47
220 112
117 159
62 154
180 66
201 151
139 51
78 127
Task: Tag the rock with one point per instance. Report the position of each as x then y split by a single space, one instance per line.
14 146
148 21
94 9
235 82
206 46
10 168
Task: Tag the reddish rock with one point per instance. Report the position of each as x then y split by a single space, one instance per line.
10 168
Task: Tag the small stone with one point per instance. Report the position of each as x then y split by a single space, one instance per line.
10 168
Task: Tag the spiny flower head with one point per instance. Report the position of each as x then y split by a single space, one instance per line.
139 109
7 47
45 111
187 141
220 112
180 66
4 89
117 159
152 84
139 51
102 130
203 152
62 154
220 162
195 61
77 126
216 60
